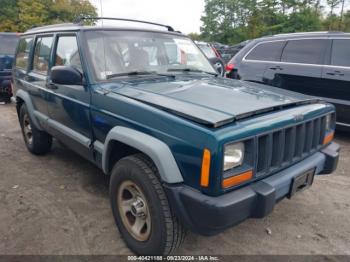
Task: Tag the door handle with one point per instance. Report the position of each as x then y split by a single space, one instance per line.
335 73
51 86
276 68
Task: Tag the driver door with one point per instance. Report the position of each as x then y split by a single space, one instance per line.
69 105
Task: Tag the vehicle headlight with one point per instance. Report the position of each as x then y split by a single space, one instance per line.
233 155
329 124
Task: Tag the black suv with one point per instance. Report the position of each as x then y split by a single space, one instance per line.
8 43
314 63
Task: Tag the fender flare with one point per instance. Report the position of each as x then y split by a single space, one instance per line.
157 150
26 98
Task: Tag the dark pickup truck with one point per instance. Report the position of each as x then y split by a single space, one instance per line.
185 148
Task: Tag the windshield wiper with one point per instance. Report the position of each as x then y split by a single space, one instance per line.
131 73
190 70
136 73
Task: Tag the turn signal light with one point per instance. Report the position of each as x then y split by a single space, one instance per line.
328 138
205 168
236 180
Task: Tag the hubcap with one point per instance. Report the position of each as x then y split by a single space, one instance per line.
134 211
27 129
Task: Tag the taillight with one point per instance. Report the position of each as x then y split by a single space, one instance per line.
229 67
11 89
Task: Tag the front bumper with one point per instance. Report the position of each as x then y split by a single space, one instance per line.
207 215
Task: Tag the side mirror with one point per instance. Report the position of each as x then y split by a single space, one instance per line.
66 75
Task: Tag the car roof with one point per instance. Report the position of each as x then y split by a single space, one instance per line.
73 27
303 35
9 34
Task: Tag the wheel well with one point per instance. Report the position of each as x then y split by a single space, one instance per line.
118 151
19 103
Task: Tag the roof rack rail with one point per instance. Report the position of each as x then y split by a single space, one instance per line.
80 19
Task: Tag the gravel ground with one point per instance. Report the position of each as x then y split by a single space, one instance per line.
58 204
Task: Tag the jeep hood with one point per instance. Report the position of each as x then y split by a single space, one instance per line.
210 101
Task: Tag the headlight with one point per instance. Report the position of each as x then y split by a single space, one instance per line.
329 124
233 156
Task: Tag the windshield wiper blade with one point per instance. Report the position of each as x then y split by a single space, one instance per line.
131 73
135 73
190 70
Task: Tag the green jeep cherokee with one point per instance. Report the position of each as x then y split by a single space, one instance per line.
184 147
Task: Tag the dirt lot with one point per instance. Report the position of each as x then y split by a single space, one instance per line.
58 204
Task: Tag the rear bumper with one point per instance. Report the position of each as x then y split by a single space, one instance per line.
5 84
208 215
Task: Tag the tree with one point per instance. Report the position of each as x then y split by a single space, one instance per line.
21 15
232 21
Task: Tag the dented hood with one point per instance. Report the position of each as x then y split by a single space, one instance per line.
210 101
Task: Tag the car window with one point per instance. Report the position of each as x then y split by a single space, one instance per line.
42 55
308 51
24 47
341 52
67 53
270 51
207 50
8 44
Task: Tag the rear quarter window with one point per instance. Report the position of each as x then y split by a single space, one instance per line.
308 51
269 51
24 47
341 52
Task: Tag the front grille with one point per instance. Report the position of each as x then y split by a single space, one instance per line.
286 146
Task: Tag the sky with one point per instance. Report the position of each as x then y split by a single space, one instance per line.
182 15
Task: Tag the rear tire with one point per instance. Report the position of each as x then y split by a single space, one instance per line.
134 187
37 142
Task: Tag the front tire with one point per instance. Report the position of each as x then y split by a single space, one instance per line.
37 142
141 209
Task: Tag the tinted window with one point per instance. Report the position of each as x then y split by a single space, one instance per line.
207 50
8 44
270 51
67 52
22 58
309 51
42 55
341 52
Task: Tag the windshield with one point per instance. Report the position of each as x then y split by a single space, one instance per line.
8 44
207 50
117 53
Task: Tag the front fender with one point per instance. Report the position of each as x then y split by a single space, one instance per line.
157 150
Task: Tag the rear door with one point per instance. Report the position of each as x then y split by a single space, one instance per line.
69 105
260 57
22 63
300 68
37 77
336 76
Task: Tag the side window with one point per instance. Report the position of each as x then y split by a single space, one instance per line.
42 55
270 51
341 52
22 57
308 51
67 52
